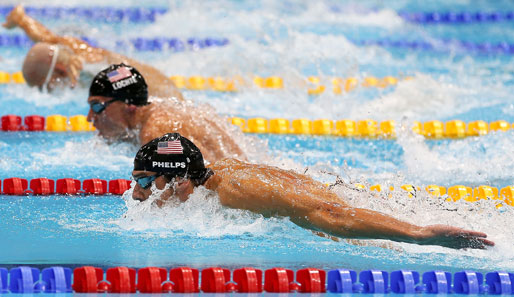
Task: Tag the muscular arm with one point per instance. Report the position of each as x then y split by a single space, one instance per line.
34 29
362 223
39 33
309 204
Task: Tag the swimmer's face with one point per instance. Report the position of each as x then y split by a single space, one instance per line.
59 79
181 190
110 122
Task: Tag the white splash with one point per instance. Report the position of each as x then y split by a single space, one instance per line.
117 157
201 215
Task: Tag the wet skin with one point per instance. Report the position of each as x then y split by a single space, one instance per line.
121 121
271 191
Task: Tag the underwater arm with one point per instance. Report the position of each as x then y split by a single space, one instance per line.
363 223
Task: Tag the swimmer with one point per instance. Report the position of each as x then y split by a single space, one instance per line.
57 61
173 159
120 110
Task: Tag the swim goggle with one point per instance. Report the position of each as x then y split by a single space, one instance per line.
97 107
146 181
55 49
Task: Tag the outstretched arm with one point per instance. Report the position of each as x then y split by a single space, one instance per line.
39 33
363 223
34 29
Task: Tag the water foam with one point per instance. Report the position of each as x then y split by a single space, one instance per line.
201 215
116 157
425 210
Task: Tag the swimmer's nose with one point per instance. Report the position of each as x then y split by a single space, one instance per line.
137 195
90 115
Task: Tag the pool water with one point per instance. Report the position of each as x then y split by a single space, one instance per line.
292 40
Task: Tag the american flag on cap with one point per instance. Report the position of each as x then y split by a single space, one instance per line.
170 147
119 74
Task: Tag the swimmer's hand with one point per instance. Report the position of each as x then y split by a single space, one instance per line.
74 67
73 64
453 237
14 17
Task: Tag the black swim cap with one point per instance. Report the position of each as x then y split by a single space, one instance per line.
174 156
122 82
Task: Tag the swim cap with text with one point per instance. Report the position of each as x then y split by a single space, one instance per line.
173 155
122 82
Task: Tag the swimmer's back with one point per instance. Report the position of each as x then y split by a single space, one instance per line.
200 124
270 190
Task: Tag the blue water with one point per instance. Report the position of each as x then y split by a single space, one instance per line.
292 40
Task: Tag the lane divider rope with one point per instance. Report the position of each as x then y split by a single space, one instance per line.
69 186
138 43
369 129
445 45
148 14
196 43
314 85
65 186
97 14
89 279
454 129
457 18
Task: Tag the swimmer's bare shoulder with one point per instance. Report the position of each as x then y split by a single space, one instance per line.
268 190
160 118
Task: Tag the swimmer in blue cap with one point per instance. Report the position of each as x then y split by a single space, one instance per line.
57 61
270 191
120 110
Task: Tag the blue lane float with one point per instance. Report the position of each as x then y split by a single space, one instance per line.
437 282
4 288
138 43
485 48
97 14
457 17
57 280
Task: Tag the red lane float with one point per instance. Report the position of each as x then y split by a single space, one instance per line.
185 280
153 280
35 123
122 280
119 186
277 280
248 280
42 186
11 122
15 186
311 280
69 186
65 186
214 280
95 186
87 279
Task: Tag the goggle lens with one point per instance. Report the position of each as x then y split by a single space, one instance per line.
97 107
145 182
